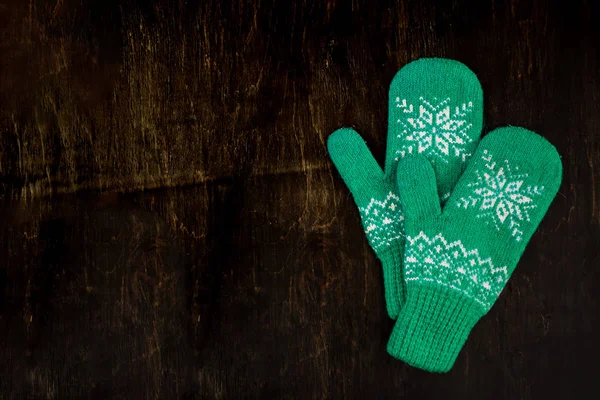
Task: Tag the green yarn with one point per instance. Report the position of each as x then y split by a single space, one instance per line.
435 109
457 262
432 327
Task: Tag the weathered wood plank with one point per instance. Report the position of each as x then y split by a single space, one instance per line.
171 225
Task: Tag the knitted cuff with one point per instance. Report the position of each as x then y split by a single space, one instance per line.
432 327
391 262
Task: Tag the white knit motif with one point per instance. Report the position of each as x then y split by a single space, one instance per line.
501 197
449 264
383 220
435 129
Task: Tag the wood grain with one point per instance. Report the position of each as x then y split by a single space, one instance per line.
172 227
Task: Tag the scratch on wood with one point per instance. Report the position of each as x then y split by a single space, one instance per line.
593 188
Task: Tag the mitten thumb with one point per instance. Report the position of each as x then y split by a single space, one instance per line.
418 190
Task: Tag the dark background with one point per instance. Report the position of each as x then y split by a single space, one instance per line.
171 225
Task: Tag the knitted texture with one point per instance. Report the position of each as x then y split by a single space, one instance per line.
457 262
435 109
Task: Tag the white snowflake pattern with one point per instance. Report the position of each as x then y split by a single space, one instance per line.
438 130
435 260
383 220
501 196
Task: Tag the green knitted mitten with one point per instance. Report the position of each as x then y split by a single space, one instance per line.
435 109
457 262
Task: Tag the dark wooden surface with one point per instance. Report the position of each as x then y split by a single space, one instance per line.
172 227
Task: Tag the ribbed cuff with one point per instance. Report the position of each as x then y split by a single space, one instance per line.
432 327
392 262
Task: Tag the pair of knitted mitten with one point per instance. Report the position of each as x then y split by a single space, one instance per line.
455 262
